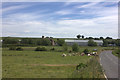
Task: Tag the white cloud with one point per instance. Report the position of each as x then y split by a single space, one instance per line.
13 8
87 5
60 0
102 26
64 12
31 24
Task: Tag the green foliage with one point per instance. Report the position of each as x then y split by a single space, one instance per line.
75 47
101 38
45 42
19 49
116 52
105 43
91 69
117 42
12 48
86 51
81 65
8 40
65 47
41 49
82 36
90 38
92 43
78 36
60 42
108 38
96 39
52 49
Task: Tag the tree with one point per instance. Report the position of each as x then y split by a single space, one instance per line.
117 42
60 42
86 51
105 43
9 40
65 47
45 42
78 36
101 38
75 47
96 39
108 38
82 36
47 37
92 43
90 38
51 37
42 36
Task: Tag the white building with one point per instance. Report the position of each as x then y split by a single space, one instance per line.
83 42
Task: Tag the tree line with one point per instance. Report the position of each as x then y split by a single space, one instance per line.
7 41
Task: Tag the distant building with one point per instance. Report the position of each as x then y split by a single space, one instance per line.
83 42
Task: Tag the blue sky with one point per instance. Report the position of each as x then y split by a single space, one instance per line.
60 19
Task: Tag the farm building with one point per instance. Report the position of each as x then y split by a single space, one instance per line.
83 42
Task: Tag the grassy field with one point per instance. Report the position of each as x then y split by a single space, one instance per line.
116 52
44 64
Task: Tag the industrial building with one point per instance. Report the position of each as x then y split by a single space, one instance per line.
83 42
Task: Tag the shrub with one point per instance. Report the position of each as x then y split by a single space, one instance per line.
75 47
81 65
60 42
12 48
92 43
40 49
19 49
86 51
65 47
52 49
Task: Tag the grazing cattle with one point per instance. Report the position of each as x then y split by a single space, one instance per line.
82 54
63 55
70 54
93 53
73 54
89 55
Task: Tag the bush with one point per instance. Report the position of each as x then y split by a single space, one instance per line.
92 43
40 49
81 65
60 42
45 42
86 51
65 47
75 47
19 49
12 48
52 49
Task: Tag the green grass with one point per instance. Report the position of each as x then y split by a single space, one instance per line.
30 63
14 64
93 70
116 52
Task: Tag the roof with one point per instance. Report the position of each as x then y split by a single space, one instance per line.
83 41
76 40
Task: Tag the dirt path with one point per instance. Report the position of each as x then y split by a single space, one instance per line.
50 64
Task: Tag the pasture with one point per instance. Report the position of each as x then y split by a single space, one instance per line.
42 64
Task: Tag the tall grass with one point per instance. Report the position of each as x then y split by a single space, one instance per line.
93 70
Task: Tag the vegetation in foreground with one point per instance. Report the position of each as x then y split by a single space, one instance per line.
116 52
45 64
92 69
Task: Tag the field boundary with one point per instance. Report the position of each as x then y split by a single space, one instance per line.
50 64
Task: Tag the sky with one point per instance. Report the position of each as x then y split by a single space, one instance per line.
60 19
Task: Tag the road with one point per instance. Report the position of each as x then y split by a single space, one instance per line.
109 63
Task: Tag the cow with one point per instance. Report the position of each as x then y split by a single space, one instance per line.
63 55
